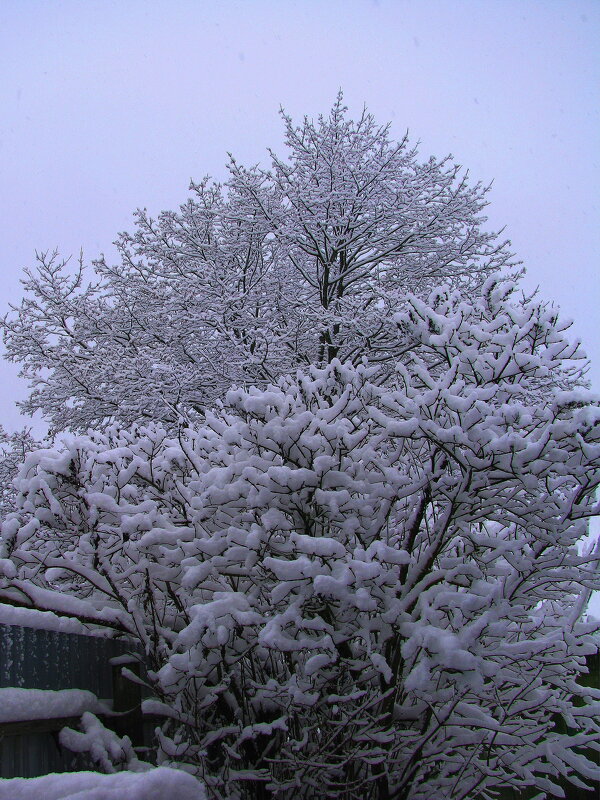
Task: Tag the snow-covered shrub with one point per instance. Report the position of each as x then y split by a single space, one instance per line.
345 588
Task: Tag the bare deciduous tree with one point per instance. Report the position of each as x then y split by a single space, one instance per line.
279 268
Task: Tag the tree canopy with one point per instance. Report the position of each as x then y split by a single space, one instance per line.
340 485
274 270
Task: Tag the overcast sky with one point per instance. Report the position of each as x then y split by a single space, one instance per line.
107 106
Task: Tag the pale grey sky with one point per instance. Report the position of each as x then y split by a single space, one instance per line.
107 106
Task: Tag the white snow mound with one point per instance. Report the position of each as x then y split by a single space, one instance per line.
157 784
18 705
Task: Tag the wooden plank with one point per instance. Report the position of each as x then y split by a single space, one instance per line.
24 727
112 721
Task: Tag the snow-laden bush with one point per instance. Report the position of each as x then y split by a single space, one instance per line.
344 588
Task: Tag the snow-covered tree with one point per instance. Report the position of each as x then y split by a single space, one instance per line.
280 268
361 582
13 449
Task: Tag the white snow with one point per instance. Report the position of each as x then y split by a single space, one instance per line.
157 784
43 621
18 705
